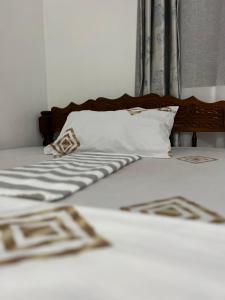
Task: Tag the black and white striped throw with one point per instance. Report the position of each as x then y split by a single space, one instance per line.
56 179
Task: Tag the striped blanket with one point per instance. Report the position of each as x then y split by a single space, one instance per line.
58 178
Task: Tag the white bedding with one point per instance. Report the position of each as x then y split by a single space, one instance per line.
146 180
150 258
151 179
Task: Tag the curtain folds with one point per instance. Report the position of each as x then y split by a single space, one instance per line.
158 49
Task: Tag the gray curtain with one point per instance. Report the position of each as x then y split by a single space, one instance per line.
157 56
202 27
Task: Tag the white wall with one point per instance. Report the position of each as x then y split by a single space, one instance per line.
22 72
90 49
90 52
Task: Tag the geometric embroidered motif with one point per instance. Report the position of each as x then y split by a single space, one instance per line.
135 110
197 159
67 144
47 233
167 108
177 207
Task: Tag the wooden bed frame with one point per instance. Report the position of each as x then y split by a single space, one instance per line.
193 115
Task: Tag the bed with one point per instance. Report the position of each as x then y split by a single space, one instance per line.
198 181
193 175
158 223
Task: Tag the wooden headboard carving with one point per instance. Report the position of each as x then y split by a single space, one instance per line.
193 115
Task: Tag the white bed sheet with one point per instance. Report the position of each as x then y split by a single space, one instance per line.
146 180
151 179
150 258
18 157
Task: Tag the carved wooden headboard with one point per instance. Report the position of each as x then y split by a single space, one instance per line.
193 115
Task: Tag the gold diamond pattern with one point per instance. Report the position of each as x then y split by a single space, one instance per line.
178 207
197 159
135 110
67 144
47 233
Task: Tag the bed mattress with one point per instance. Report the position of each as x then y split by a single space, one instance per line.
192 174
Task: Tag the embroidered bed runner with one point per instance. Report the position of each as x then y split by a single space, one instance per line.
58 178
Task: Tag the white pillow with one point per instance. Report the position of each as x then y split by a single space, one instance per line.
145 133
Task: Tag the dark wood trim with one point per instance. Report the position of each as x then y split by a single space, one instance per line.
194 139
193 115
45 127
